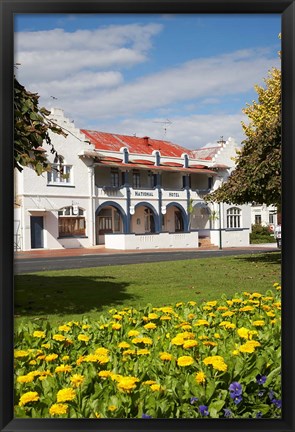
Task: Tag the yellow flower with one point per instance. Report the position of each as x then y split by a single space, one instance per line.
59 337
155 387
211 303
58 409
116 326
123 345
28 397
165 318
77 380
227 324
201 322
86 326
65 358
235 352
150 326
258 323
132 333
209 343
63 368
256 295
167 309
228 313
153 316
83 338
39 334
217 362
25 378
97 415
66 394
51 357
112 408
179 304
217 335
143 352
192 303
64 328
102 351
246 333
127 384
105 374
165 356
246 309
20 354
185 361
249 346
190 343
200 377
46 345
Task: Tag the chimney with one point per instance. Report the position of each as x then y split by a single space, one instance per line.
146 140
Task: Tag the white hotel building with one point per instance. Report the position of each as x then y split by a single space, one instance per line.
126 192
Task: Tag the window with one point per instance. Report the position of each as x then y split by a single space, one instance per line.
60 174
258 219
115 178
136 179
71 222
210 182
271 218
233 217
152 179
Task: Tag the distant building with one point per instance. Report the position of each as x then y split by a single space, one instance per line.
126 192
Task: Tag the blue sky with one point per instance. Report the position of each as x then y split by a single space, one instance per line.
131 74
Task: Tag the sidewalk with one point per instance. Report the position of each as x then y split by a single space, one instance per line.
97 250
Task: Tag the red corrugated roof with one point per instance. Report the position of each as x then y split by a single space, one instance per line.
145 145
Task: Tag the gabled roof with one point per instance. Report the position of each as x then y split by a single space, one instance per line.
114 142
206 153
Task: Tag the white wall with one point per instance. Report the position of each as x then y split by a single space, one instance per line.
230 238
151 241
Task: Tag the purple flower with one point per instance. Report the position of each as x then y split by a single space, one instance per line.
193 400
203 409
235 389
260 379
261 393
277 403
271 395
146 416
237 399
227 412
259 414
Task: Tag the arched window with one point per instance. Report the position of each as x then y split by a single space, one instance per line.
233 217
71 222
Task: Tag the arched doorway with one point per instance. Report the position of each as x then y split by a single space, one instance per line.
175 219
200 217
145 219
110 218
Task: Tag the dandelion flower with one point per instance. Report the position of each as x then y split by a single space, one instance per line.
63 368
185 361
28 397
65 395
39 334
58 409
200 377
83 338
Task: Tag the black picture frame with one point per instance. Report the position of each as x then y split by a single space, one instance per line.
10 7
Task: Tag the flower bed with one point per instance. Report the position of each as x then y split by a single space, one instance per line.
220 359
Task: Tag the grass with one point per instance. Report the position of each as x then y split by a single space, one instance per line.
68 294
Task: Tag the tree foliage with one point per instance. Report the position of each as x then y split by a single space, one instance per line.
31 129
257 176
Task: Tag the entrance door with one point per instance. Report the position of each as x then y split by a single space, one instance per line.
104 227
37 240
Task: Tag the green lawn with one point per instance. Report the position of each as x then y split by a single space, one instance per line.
64 295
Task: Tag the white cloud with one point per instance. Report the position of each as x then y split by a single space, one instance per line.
192 131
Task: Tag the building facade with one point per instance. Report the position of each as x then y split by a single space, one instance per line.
126 192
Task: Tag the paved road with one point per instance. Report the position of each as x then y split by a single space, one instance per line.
30 265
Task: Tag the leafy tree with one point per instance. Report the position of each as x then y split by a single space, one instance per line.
31 129
257 176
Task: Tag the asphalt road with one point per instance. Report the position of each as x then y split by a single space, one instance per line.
30 265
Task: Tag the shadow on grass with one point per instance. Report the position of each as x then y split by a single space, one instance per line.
40 295
267 258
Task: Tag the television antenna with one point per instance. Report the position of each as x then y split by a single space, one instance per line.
166 123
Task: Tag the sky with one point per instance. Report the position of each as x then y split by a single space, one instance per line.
184 78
